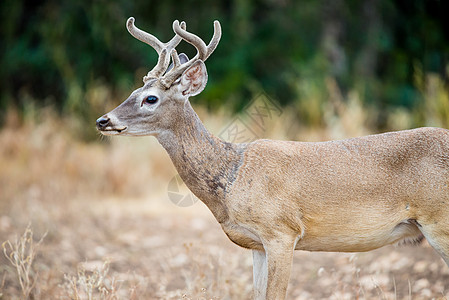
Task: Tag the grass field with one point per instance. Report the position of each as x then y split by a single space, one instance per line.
94 221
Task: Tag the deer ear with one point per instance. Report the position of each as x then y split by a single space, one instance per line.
183 58
194 79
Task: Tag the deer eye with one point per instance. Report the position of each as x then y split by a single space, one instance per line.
150 100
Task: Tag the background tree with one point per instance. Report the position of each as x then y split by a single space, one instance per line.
54 52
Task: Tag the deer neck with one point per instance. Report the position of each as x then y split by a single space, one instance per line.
206 164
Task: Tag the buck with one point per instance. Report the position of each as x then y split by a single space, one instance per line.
274 197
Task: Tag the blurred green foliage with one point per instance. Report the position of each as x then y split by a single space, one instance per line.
59 52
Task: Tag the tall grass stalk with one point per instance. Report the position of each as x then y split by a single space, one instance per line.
21 255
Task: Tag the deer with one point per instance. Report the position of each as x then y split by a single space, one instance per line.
274 197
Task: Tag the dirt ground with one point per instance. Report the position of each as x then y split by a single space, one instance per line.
161 251
113 233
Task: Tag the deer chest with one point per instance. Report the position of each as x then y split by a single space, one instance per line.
242 236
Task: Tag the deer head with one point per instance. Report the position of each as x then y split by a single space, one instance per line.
153 108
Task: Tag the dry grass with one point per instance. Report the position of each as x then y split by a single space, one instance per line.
21 254
112 232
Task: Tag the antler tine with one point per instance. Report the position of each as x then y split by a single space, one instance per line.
215 39
191 39
160 67
176 39
150 39
203 51
175 59
144 36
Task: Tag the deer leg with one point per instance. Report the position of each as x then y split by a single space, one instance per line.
260 274
437 234
279 254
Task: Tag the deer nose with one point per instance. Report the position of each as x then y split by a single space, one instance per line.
102 122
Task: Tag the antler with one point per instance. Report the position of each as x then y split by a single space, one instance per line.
161 48
203 51
164 48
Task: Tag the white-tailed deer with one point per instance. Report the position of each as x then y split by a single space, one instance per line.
274 197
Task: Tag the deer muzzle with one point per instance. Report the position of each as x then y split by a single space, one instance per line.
106 126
